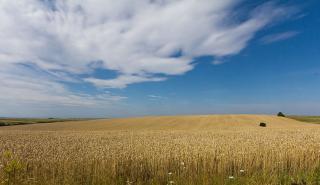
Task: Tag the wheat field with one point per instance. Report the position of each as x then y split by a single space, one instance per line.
186 150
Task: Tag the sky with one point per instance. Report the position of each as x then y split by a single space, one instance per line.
105 58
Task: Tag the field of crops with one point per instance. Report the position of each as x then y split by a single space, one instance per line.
26 121
221 149
310 119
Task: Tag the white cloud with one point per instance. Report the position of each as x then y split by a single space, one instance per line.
217 62
156 97
23 86
134 38
137 39
278 37
122 81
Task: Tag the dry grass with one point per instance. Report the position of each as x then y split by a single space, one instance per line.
160 150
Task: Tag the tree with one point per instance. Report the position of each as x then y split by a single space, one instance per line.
280 114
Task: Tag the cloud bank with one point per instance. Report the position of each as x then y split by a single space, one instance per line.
140 40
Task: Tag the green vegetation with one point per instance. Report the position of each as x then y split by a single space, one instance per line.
25 121
280 114
13 169
309 119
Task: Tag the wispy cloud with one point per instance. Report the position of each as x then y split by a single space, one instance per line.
136 39
122 81
156 97
23 85
218 62
278 37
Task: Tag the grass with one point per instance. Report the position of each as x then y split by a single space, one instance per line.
186 150
24 121
309 119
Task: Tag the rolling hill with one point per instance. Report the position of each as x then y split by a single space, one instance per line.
196 122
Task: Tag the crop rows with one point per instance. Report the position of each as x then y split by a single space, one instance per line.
245 156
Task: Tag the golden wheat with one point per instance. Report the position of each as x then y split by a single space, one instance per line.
229 149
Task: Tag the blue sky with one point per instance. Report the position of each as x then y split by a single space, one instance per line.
117 59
